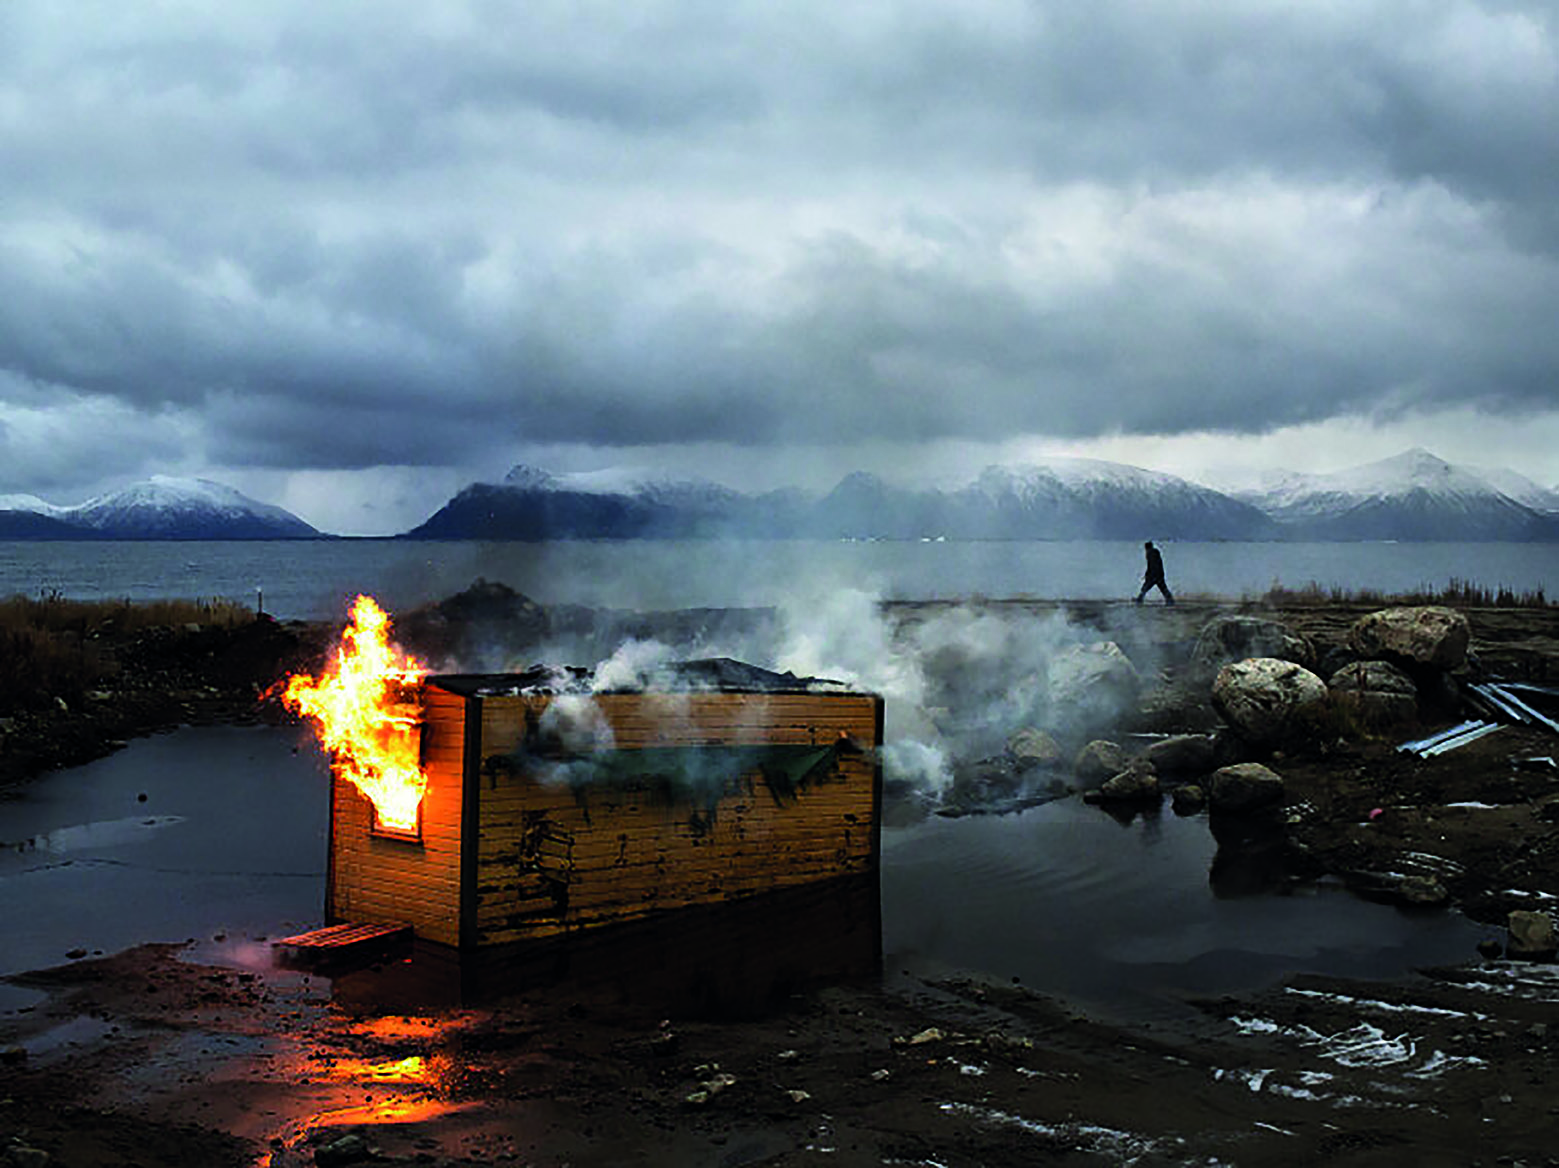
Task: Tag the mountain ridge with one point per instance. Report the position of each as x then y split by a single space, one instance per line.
1411 496
161 507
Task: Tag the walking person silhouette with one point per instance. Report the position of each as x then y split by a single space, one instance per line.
1154 576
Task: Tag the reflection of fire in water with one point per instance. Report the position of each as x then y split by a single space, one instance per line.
366 714
383 1071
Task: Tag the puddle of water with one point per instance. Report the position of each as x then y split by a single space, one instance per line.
1069 901
203 831
105 833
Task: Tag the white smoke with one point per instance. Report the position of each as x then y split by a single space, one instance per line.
572 724
957 680
632 664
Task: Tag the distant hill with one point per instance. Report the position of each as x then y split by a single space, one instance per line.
162 507
1413 496
16 524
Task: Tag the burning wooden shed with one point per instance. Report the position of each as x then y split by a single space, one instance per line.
550 808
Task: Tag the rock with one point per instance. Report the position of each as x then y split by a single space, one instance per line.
1137 785
1428 635
1244 787
1181 754
1034 748
13 1054
1099 760
1226 639
1189 799
349 1149
988 780
1091 684
1266 700
1377 692
1531 935
1424 891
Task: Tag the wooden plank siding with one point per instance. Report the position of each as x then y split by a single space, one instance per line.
504 857
419 882
554 860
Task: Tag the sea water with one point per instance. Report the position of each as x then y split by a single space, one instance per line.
316 579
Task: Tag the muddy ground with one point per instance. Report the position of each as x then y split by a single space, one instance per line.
173 1055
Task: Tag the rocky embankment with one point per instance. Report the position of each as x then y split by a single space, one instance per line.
1293 732
152 679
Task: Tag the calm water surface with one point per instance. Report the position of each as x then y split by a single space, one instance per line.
316 579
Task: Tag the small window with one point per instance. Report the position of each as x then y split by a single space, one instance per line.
411 835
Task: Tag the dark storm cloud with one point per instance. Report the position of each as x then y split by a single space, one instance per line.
346 236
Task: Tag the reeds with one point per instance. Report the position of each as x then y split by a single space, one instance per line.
53 649
1456 594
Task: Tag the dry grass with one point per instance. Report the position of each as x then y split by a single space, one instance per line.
53 648
1456 594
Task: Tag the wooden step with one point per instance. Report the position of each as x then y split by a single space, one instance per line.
343 943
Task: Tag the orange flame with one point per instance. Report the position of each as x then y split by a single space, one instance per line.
363 717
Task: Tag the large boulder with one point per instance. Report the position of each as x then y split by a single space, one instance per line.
1378 693
1234 638
1243 788
1266 700
1091 685
1429 635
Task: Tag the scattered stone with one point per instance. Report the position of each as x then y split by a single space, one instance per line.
881 1075
1531 936
1267 700
1423 891
1430 634
1189 799
1226 639
19 1154
711 1087
348 1149
1099 760
76 954
929 1034
1136 785
13 1054
1490 948
1182 754
1244 787
798 1096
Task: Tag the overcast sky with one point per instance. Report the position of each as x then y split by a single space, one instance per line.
350 256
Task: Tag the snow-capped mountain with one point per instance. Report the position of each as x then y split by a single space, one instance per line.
1063 499
162 507
1411 496
1087 498
618 503
1544 500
